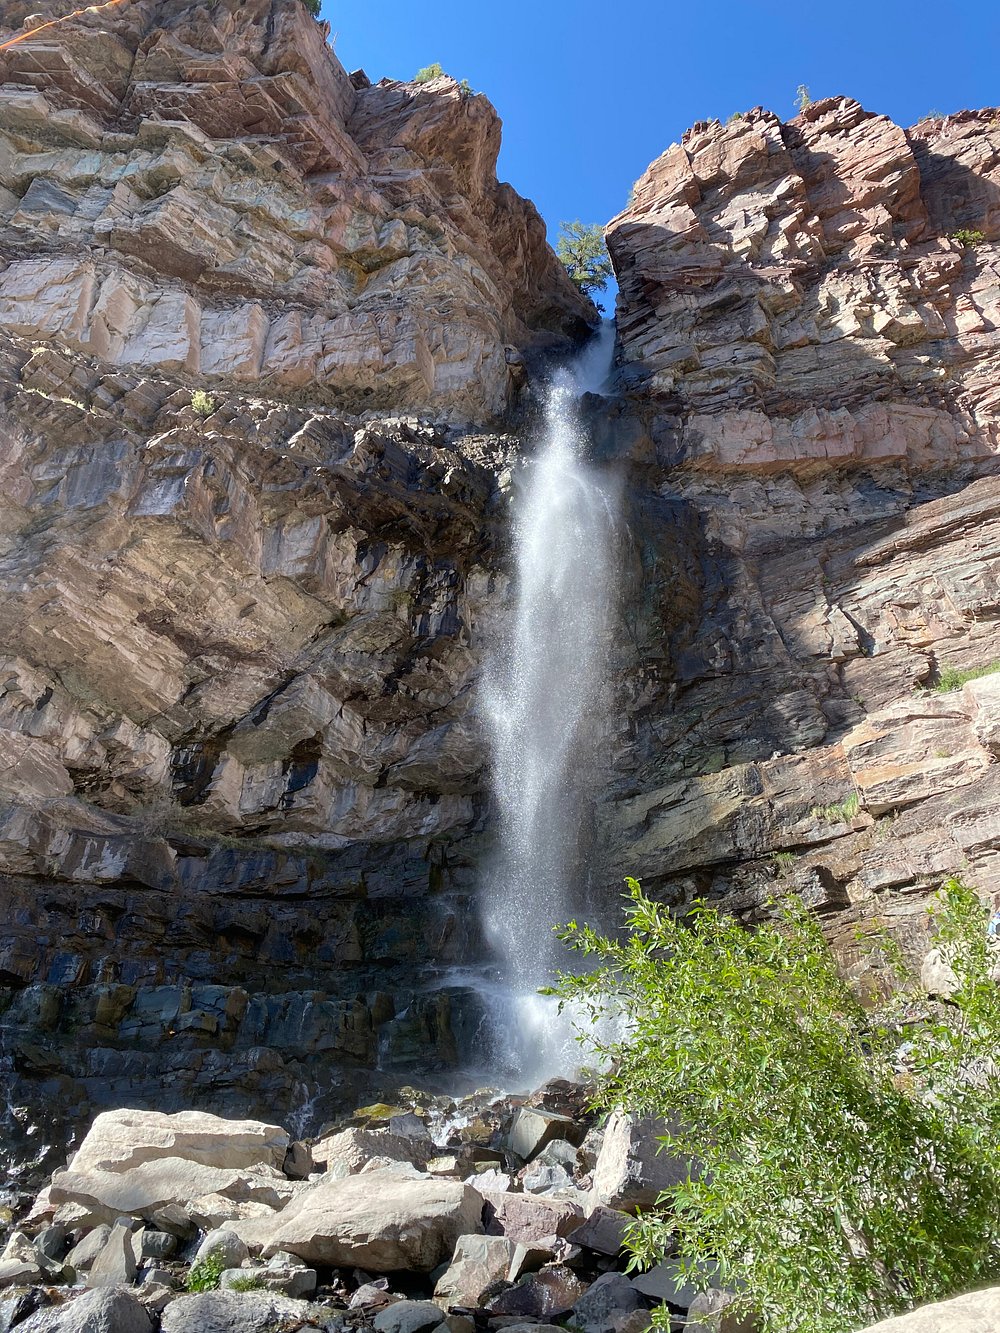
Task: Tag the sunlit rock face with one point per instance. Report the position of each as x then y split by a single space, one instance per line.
240 764
203 190
809 319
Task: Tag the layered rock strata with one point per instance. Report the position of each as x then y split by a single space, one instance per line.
809 318
239 765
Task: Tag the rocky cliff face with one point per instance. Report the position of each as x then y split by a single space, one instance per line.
241 791
809 320
239 766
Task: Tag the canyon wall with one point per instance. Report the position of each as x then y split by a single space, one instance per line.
240 769
808 317
266 336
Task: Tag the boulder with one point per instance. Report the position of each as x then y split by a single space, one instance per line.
224 1245
19 1273
382 1221
600 1308
158 1244
118 1262
145 1163
631 1170
527 1217
603 1231
710 1312
347 1153
85 1251
547 1294
408 1317
533 1127
975 1312
478 1262
240 1312
108 1310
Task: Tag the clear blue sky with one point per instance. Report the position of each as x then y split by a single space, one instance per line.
591 92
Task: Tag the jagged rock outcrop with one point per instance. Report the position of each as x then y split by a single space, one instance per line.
239 762
810 324
203 190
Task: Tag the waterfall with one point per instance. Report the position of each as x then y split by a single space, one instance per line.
542 694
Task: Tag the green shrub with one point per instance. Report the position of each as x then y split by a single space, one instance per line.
841 813
802 98
968 237
847 1156
248 1283
952 679
206 1273
428 73
313 7
202 403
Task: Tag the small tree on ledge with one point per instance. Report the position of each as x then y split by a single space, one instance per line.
585 256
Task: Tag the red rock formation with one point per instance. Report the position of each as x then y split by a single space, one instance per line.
202 190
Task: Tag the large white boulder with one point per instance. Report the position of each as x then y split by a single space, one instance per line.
140 1163
976 1312
632 1167
381 1221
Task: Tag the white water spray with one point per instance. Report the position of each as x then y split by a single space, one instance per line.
542 695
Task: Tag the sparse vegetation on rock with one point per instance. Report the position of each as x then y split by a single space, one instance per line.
583 252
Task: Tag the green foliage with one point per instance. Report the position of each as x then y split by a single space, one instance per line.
466 87
203 403
968 236
584 255
248 1283
736 116
802 98
952 679
206 1273
847 1158
783 861
313 7
428 73
842 813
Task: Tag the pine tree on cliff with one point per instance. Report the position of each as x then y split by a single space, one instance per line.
585 256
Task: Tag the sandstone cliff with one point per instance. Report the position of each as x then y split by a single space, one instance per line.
241 792
810 327
236 741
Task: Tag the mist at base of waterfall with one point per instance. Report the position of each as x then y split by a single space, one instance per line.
544 699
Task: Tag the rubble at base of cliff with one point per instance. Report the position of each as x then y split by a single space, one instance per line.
491 1213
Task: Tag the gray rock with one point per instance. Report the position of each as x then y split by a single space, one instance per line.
478 1262
534 1127
299 1163
409 1126
158 1244
529 1217
661 1283
18 1273
239 1312
85 1251
408 1317
611 1296
15 1306
547 1294
631 1170
603 1231
709 1313
118 1262
372 1296
51 1242
383 1221
224 1245
108 1310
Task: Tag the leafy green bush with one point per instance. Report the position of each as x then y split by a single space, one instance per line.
953 679
584 255
848 1162
202 403
313 6
968 237
428 73
206 1273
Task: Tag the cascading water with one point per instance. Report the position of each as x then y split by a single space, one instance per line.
542 694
